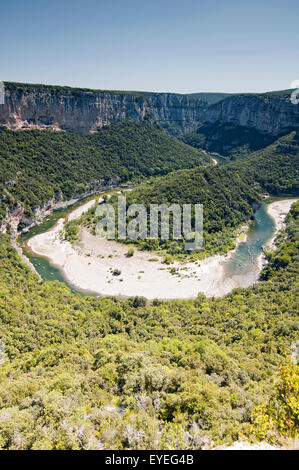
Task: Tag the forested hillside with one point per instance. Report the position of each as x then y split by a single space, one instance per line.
103 373
86 373
227 201
229 140
38 165
229 193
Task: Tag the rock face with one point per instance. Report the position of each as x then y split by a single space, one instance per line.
84 111
269 113
16 215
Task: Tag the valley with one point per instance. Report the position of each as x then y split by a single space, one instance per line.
144 344
149 232
88 265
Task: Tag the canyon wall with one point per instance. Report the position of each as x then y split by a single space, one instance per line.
84 111
270 113
80 110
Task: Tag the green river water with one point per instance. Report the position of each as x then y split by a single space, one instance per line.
42 265
246 256
242 265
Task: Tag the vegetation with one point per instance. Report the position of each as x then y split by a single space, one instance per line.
89 373
82 372
227 139
227 203
116 272
274 169
72 90
130 253
39 165
277 421
229 194
288 247
209 98
71 231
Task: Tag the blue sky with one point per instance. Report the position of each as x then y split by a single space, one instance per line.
160 45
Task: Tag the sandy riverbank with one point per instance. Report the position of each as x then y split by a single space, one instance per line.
278 211
90 265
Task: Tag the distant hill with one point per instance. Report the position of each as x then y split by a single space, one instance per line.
209 98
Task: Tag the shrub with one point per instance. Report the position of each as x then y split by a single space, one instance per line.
130 253
116 272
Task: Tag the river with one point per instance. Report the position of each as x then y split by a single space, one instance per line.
216 276
245 263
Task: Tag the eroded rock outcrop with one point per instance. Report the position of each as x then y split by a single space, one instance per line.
84 111
269 113
81 110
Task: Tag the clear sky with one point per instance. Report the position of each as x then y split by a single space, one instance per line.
156 45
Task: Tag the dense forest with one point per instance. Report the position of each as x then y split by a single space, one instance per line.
229 194
227 139
227 203
39 165
88 373
83 372
275 168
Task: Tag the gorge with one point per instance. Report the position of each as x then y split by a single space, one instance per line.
29 106
86 266
166 346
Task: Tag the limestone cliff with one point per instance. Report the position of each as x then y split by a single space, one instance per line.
270 113
84 111
81 110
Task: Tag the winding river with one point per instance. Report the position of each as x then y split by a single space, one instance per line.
216 275
245 264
